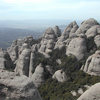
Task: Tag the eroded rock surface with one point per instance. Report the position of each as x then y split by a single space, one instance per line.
60 76
92 65
14 87
91 94
77 47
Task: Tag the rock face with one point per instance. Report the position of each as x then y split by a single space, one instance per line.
92 65
87 24
5 60
22 65
38 75
97 40
48 41
16 47
77 47
60 76
14 87
68 32
93 31
57 31
91 94
34 50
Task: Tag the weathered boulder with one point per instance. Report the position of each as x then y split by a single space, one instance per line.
23 62
97 40
60 76
14 87
92 65
38 75
77 47
87 24
68 33
5 60
93 31
93 93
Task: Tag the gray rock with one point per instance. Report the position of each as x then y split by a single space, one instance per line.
32 58
57 31
18 45
74 93
97 40
68 33
87 24
77 47
48 41
5 60
13 52
92 65
22 65
91 94
93 31
60 76
38 75
14 87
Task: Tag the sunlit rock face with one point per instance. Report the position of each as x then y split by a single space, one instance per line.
93 93
87 24
92 65
23 62
15 49
69 32
77 47
48 41
93 31
60 76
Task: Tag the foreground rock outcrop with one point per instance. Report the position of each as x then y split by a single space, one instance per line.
13 87
55 56
91 94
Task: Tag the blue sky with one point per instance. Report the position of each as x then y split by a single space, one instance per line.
49 9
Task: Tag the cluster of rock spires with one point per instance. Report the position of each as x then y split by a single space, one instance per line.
21 56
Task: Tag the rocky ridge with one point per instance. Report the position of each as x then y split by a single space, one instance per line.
31 60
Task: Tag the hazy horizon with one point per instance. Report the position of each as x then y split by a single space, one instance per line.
49 9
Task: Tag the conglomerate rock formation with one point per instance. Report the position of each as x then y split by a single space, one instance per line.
31 63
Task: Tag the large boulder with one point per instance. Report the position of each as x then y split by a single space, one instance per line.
5 60
92 65
14 87
23 62
87 24
60 76
38 75
77 47
93 93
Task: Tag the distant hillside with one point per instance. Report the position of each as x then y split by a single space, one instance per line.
7 35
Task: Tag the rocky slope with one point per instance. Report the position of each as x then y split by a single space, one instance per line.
68 60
